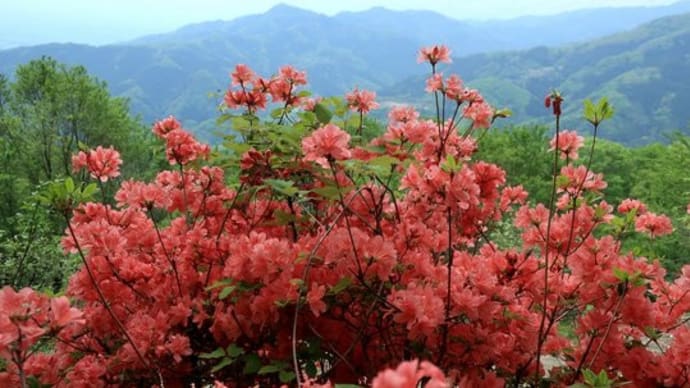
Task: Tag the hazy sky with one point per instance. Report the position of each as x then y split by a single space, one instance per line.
104 21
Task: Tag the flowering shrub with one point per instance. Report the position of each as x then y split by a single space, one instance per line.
332 259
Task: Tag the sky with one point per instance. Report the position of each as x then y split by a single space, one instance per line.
27 22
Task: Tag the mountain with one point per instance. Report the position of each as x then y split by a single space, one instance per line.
644 72
185 71
472 37
175 73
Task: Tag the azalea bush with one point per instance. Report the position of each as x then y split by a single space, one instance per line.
307 251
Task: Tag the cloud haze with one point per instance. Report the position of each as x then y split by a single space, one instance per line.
105 21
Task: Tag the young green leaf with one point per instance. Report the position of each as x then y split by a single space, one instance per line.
222 364
218 353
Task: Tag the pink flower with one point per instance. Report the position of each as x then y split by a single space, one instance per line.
315 299
434 54
419 310
282 87
326 143
139 195
361 100
21 315
653 225
471 96
162 127
308 104
568 144
512 195
62 314
480 113
102 163
182 148
454 89
578 178
402 114
178 346
629 205
408 374
435 83
242 74
293 76
253 100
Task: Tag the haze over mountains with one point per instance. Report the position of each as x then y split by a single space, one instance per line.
644 70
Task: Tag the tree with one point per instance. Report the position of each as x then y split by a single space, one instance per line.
47 112
60 107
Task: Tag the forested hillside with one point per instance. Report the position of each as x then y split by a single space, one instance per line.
643 72
182 72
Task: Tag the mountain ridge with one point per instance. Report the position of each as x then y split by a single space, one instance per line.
184 73
643 72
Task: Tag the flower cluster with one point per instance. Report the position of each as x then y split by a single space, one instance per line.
361 101
326 144
27 318
329 262
569 142
101 163
250 91
434 54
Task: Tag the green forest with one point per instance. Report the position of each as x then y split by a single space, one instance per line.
48 112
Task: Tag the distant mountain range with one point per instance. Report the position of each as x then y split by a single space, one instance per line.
183 72
645 74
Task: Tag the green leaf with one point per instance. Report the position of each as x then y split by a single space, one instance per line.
310 369
596 114
589 110
382 164
89 190
218 353
285 376
322 113
621 274
69 185
652 333
234 351
237 148
589 376
276 113
82 146
282 186
562 181
281 302
283 217
219 283
223 118
239 123
252 364
328 192
450 165
297 282
342 284
222 364
225 292
266 369
638 279
605 109
503 113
